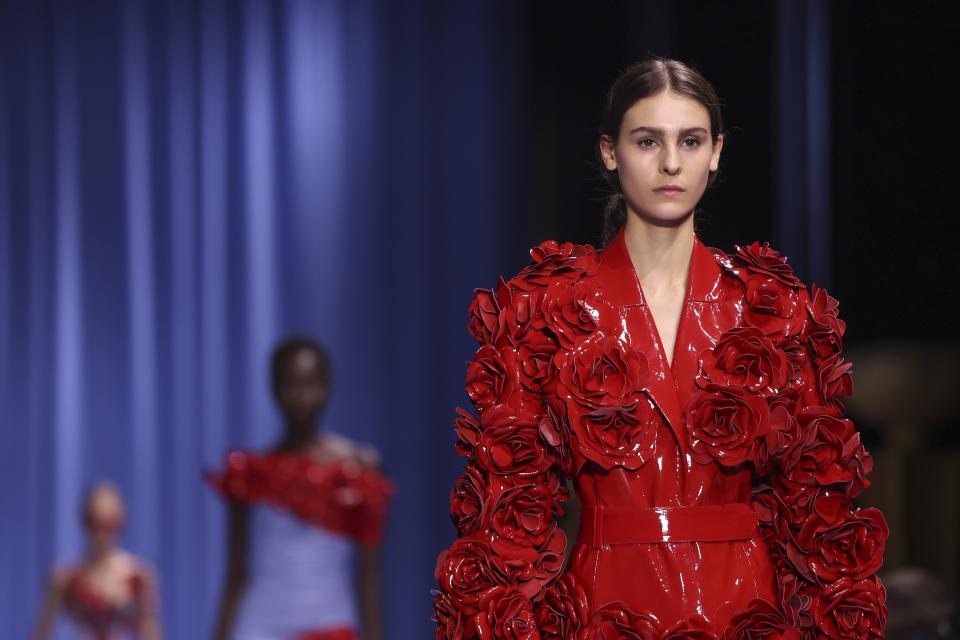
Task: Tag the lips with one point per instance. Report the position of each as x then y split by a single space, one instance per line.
669 190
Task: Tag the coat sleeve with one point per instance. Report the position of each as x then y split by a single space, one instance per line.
500 578
825 550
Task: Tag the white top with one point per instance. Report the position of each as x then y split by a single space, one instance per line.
301 579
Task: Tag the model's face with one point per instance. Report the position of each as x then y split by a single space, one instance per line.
302 391
104 517
664 141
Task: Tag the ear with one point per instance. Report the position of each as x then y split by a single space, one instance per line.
607 152
715 156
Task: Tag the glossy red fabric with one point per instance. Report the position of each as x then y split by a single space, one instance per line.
707 481
340 495
602 526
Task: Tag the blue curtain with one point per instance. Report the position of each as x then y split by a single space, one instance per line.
182 184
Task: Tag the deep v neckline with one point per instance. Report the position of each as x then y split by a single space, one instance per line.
622 290
648 311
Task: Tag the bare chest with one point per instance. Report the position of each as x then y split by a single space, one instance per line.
665 310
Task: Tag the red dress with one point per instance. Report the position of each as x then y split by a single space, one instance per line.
716 490
102 617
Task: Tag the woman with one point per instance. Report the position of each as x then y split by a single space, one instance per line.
691 395
111 594
296 515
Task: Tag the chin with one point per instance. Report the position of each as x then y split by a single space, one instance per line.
666 213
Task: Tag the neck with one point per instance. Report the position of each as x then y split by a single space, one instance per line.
97 554
298 437
660 253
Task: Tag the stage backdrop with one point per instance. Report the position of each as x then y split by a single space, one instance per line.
181 185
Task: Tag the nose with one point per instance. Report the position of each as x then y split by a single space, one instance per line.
670 161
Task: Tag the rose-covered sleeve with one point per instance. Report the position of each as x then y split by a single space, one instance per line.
826 551
501 577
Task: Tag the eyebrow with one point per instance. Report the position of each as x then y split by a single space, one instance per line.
660 132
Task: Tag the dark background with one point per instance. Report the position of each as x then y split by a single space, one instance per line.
182 184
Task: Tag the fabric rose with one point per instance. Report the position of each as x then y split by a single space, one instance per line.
852 547
833 378
851 609
569 312
506 613
534 358
766 261
768 506
466 569
798 503
772 307
726 424
602 372
468 433
801 383
690 629
489 378
552 261
510 443
530 568
525 513
829 454
744 356
825 329
783 434
467 501
484 312
518 309
452 620
553 252
602 386
555 432
797 598
615 621
760 620
504 316
564 609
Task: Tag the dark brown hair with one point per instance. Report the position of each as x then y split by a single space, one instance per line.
636 82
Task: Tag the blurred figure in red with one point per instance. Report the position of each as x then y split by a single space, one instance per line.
110 594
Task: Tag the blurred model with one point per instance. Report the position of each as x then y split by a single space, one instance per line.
297 516
111 594
694 399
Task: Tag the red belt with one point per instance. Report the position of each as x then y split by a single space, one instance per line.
601 525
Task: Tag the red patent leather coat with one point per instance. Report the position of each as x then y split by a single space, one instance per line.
716 490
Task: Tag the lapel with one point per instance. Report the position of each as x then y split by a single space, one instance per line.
621 288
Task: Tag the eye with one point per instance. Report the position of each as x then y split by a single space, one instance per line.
646 142
691 142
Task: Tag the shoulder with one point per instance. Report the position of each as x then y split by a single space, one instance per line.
758 261
341 446
553 264
145 574
60 577
774 297
553 261
123 561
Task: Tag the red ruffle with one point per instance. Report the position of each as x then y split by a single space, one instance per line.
342 495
